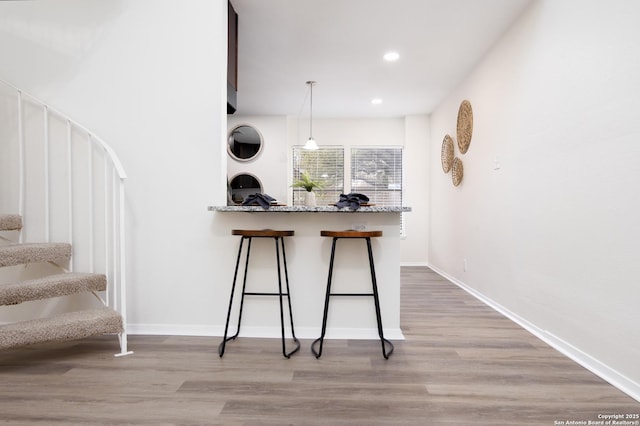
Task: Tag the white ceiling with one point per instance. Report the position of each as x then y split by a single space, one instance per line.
340 44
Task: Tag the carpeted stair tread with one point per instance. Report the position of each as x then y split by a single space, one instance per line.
51 286
67 326
10 222
18 254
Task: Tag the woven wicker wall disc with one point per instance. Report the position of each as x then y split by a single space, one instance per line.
447 153
465 126
457 171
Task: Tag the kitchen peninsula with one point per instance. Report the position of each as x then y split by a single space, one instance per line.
308 263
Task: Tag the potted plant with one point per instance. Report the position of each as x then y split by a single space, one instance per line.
309 185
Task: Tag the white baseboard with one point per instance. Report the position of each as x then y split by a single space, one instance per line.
174 330
598 368
262 332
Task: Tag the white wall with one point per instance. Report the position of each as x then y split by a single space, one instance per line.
148 77
552 235
417 165
271 165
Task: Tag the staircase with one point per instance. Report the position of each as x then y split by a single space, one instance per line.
68 184
66 326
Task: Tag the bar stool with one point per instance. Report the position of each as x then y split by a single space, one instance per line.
249 235
366 235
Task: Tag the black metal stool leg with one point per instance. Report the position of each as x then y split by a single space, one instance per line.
225 339
377 303
222 345
318 353
280 294
244 287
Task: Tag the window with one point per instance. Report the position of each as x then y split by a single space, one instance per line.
325 165
377 173
373 171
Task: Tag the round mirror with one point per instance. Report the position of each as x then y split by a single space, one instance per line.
243 185
245 143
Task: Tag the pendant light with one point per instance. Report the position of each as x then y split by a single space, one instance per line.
311 143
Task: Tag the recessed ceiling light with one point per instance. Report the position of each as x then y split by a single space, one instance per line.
376 101
391 56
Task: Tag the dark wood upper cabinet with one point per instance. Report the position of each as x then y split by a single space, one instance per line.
232 60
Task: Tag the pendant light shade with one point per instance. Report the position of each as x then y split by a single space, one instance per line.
311 143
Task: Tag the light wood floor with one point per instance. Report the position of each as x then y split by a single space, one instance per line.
461 363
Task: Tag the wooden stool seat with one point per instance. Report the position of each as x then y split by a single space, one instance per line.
262 233
278 236
316 346
351 234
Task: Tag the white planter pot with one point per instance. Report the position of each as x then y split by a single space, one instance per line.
310 199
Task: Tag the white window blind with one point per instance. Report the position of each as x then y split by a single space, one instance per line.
377 173
325 165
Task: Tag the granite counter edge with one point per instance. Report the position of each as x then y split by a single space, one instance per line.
307 209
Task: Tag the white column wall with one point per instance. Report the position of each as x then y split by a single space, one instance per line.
308 263
550 233
148 76
417 165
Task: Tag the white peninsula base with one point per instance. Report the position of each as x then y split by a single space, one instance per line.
308 263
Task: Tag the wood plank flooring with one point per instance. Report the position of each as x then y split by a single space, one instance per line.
461 363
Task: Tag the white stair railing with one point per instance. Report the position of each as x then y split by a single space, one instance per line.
65 161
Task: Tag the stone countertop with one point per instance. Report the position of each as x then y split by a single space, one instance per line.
307 209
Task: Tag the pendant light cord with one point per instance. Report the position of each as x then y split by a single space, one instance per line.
311 83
